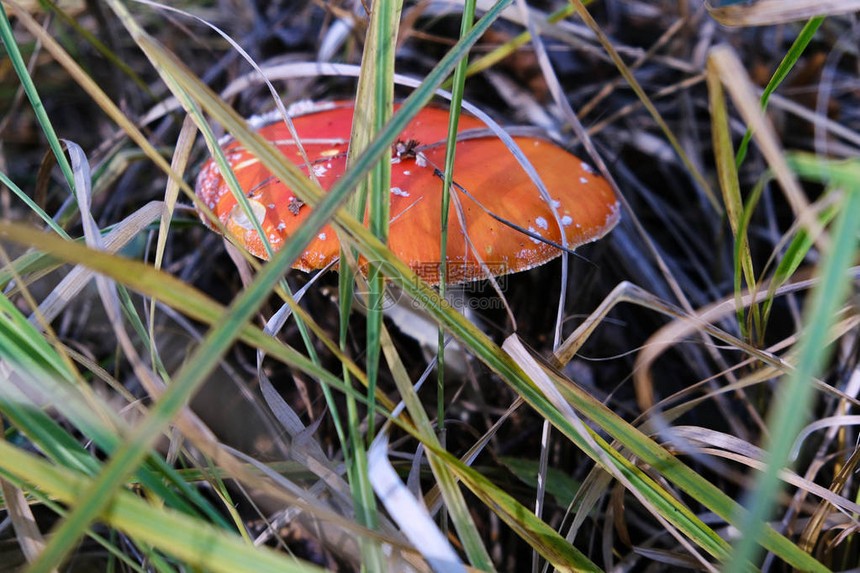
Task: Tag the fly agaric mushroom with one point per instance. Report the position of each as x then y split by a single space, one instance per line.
486 176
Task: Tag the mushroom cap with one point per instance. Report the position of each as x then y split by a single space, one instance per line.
484 167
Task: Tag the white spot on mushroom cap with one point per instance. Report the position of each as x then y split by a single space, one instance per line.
583 180
566 220
586 167
407 173
420 161
556 204
319 170
306 106
241 219
542 223
257 121
399 192
321 237
300 107
296 109
534 232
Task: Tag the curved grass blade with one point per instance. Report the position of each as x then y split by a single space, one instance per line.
785 66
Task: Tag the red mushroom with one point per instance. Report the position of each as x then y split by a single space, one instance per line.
488 175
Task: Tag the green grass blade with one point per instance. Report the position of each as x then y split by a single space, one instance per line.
387 15
730 187
373 107
33 207
785 66
8 38
458 87
755 323
794 256
455 503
